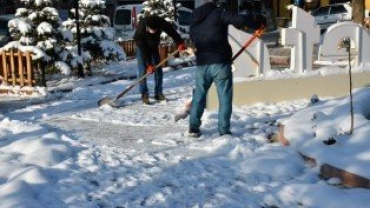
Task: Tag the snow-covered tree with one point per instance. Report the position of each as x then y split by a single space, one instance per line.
164 9
161 8
71 56
38 24
96 33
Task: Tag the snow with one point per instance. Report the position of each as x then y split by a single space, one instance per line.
44 28
64 68
37 53
331 119
61 150
68 152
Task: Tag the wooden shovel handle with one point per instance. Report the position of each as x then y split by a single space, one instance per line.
258 33
145 75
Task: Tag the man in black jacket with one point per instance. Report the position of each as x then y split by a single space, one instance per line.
147 37
208 32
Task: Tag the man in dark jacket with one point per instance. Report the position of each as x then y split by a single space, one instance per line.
147 37
208 32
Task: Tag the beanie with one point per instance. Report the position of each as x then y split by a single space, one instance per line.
153 22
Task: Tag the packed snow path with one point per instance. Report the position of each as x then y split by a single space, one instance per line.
136 156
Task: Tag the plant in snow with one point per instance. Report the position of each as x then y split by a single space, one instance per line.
315 98
38 24
96 34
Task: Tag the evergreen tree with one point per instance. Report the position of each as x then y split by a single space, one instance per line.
161 8
96 33
38 24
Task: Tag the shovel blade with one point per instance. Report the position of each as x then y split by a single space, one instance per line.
108 101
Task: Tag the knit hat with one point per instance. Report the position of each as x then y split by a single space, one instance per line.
153 22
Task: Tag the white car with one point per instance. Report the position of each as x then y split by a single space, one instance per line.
125 20
331 14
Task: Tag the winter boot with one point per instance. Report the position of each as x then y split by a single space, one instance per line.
194 133
160 97
145 99
226 133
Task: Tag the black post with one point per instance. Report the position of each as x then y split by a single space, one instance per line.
175 11
350 86
43 74
80 69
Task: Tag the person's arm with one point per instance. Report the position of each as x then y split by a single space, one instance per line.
170 30
141 43
253 21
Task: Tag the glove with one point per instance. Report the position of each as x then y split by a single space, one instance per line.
150 69
181 46
260 19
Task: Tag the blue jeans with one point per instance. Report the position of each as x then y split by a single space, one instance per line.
158 74
221 75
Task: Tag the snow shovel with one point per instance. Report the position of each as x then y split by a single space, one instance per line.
258 33
113 103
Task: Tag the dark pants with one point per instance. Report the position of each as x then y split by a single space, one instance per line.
158 74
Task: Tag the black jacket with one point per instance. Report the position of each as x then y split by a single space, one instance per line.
148 43
209 31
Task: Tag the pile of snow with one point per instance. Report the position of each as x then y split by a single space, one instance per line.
310 130
71 153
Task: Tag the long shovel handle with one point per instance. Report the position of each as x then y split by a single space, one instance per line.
254 60
145 75
256 34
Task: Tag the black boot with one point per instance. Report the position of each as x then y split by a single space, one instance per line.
160 97
194 133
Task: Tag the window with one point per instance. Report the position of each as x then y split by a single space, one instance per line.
122 17
3 27
321 11
338 10
184 18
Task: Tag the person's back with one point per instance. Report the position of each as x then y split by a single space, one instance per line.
209 31
209 35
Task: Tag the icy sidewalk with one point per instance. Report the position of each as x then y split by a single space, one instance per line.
72 153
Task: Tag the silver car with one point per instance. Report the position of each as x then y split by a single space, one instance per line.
331 14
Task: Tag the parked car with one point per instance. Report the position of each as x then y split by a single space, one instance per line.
4 30
331 14
125 20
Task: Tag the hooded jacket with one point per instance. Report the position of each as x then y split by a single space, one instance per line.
148 43
209 31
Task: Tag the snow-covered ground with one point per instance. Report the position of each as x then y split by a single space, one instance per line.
68 152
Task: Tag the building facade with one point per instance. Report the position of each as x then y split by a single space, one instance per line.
279 6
